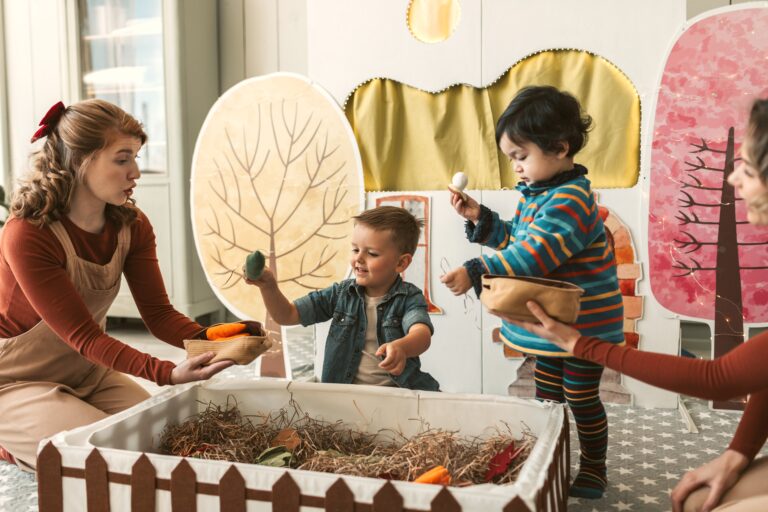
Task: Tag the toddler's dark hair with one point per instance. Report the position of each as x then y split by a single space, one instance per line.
546 117
404 227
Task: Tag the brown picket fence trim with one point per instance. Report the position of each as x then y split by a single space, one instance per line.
285 494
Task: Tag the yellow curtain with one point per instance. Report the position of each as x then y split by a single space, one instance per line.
415 140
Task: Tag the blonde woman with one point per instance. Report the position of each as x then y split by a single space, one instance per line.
735 478
73 230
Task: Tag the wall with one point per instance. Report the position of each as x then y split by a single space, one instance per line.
263 36
34 46
255 37
696 7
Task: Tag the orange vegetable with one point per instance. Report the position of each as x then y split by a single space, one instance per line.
234 336
221 331
287 437
437 475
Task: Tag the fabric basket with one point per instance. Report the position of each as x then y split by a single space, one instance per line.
240 350
507 295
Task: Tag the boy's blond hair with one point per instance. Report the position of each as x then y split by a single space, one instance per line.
404 227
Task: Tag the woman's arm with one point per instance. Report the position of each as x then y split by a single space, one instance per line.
42 278
142 272
739 372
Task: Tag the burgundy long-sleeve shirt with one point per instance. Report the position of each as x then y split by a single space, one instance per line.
34 285
739 372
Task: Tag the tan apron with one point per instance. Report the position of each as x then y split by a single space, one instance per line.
45 385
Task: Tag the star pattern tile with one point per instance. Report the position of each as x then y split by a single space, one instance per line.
650 450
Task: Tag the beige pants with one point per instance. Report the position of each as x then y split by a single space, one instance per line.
749 494
41 409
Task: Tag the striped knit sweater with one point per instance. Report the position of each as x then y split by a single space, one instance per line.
556 233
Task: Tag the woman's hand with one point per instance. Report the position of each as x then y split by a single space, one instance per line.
265 280
467 208
562 335
457 280
718 474
192 369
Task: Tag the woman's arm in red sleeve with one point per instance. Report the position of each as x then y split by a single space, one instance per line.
753 428
41 273
739 372
142 272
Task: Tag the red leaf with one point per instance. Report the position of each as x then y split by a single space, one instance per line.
501 461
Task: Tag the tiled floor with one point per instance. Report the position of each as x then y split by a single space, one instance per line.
649 450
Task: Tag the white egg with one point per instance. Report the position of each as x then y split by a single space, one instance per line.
459 180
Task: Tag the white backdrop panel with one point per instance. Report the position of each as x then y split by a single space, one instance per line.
635 36
351 41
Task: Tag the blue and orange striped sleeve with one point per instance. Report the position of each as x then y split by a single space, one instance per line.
490 230
564 223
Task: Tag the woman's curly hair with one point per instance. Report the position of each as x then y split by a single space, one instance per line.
45 194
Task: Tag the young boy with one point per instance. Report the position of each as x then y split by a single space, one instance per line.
380 323
557 233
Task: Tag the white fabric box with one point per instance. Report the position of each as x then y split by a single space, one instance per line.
103 462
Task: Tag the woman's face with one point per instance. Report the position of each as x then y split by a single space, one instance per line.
750 187
111 174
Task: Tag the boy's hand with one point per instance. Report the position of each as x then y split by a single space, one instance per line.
265 280
457 280
394 362
467 208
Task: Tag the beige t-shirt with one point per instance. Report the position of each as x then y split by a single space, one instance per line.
369 371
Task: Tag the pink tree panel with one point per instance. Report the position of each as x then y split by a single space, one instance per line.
714 72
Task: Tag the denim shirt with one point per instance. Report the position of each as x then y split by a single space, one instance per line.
344 302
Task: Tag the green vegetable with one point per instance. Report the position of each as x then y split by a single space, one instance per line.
277 456
254 265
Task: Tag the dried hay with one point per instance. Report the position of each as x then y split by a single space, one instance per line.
223 433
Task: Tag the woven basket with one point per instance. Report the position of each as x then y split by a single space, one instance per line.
240 350
507 295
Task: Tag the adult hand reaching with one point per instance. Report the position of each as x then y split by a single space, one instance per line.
192 369
562 335
718 474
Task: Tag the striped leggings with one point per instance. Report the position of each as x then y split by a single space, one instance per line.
577 381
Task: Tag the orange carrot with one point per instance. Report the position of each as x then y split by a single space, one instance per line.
220 331
234 336
437 475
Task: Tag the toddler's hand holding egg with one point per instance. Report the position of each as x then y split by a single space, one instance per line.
458 184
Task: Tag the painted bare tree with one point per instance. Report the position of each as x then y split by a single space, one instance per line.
283 180
729 323
699 241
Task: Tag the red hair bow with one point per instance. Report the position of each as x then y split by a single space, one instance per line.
49 121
